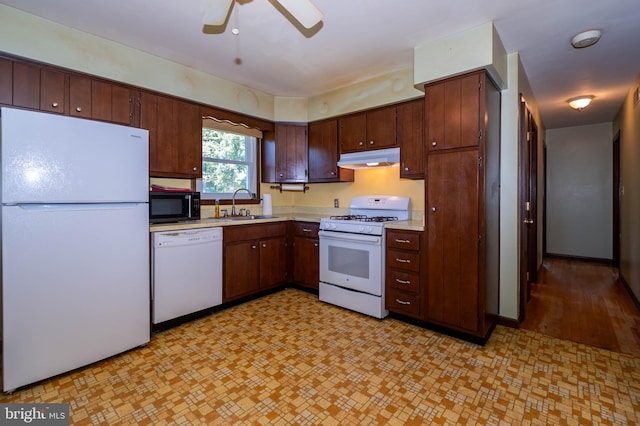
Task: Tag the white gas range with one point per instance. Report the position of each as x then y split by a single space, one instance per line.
352 253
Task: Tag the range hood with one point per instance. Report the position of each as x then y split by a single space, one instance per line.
367 159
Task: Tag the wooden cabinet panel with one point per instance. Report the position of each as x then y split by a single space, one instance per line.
255 258
291 153
402 302
175 136
273 262
403 280
381 128
53 89
411 139
80 96
26 85
306 254
352 132
241 269
323 153
452 113
373 129
6 81
409 261
404 240
453 235
404 292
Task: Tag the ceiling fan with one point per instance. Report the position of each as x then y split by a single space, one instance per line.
304 11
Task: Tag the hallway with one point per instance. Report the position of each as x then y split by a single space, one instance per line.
586 303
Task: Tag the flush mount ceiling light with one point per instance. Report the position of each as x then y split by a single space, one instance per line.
586 39
580 102
305 12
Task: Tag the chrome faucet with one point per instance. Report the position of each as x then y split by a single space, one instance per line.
233 199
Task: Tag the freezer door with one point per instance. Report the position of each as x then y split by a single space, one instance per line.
75 284
47 158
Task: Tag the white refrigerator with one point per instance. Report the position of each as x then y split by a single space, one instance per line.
75 243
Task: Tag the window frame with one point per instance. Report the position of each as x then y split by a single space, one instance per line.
253 139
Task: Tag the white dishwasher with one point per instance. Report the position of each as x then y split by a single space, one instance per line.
186 272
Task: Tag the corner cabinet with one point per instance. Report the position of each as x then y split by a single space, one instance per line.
323 153
373 129
462 209
255 259
175 136
284 154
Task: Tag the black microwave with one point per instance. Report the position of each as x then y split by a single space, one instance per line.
173 206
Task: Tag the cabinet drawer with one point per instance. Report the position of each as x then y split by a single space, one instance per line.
409 261
403 240
401 302
405 281
306 229
254 231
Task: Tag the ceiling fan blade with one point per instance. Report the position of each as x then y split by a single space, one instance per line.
303 11
216 12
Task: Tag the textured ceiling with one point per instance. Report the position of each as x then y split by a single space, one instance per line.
360 39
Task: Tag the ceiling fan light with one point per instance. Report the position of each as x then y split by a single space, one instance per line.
303 11
580 102
216 12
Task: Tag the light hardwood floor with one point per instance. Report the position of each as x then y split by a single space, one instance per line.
586 303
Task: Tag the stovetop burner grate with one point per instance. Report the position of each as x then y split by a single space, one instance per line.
363 218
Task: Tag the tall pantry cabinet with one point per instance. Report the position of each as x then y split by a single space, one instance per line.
462 137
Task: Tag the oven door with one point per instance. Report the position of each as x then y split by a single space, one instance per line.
352 261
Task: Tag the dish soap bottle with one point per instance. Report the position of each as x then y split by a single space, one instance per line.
217 213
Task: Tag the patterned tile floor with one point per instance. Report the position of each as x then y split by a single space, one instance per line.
289 359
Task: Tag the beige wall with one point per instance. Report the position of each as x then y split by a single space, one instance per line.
628 123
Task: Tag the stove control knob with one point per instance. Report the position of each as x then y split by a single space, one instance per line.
361 229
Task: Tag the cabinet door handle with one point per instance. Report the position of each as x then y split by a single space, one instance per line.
253 246
406 169
264 245
402 241
55 105
403 260
360 143
434 143
433 209
315 244
403 302
79 109
398 280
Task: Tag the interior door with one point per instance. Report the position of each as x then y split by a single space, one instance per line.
528 205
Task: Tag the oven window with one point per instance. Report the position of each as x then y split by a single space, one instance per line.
349 261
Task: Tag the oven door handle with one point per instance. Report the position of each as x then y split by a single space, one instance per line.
350 237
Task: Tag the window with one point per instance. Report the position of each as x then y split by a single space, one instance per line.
229 161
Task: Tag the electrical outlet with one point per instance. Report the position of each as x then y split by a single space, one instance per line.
336 202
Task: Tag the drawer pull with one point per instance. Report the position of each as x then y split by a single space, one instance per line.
402 241
306 230
403 302
398 280
403 260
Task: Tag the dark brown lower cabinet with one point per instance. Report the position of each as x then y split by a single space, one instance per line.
255 259
306 254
